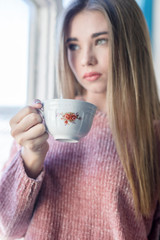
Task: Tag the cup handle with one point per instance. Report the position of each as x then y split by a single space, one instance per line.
41 112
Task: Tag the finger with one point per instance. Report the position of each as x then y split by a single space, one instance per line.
34 144
25 111
35 132
29 121
21 114
37 101
36 105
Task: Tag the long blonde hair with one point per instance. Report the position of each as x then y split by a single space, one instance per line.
132 97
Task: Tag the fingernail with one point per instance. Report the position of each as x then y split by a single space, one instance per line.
37 101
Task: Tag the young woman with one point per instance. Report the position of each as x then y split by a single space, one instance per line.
106 187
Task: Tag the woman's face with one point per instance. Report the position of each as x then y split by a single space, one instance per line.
88 50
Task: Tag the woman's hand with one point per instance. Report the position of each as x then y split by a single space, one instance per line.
29 132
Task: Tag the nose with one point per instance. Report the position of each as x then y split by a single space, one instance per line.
88 57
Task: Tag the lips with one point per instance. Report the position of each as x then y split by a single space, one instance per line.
92 76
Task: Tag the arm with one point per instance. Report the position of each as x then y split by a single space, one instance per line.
18 195
22 177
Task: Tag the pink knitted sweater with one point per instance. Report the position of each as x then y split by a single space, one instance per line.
82 194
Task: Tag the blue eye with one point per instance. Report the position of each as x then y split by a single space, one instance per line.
101 41
73 47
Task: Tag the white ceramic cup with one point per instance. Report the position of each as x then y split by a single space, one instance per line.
68 120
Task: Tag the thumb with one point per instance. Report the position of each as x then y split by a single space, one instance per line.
37 104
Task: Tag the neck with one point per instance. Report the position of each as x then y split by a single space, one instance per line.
99 100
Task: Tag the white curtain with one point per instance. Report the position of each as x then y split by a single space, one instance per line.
41 76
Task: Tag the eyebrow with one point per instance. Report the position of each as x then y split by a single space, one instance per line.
94 35
71 40
98 34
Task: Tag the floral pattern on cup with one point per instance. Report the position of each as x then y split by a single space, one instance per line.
69 117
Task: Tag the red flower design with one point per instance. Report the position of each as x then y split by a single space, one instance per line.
70 117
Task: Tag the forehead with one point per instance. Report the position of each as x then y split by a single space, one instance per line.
87 22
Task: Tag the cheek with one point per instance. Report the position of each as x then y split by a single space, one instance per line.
72 62
104 61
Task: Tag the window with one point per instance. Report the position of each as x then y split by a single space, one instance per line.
14 30
28 30
146 6
66 2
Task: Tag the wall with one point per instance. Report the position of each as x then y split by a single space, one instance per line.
156 39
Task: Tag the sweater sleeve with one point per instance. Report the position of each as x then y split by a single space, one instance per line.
18 195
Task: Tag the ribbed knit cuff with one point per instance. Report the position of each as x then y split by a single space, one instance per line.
18 196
